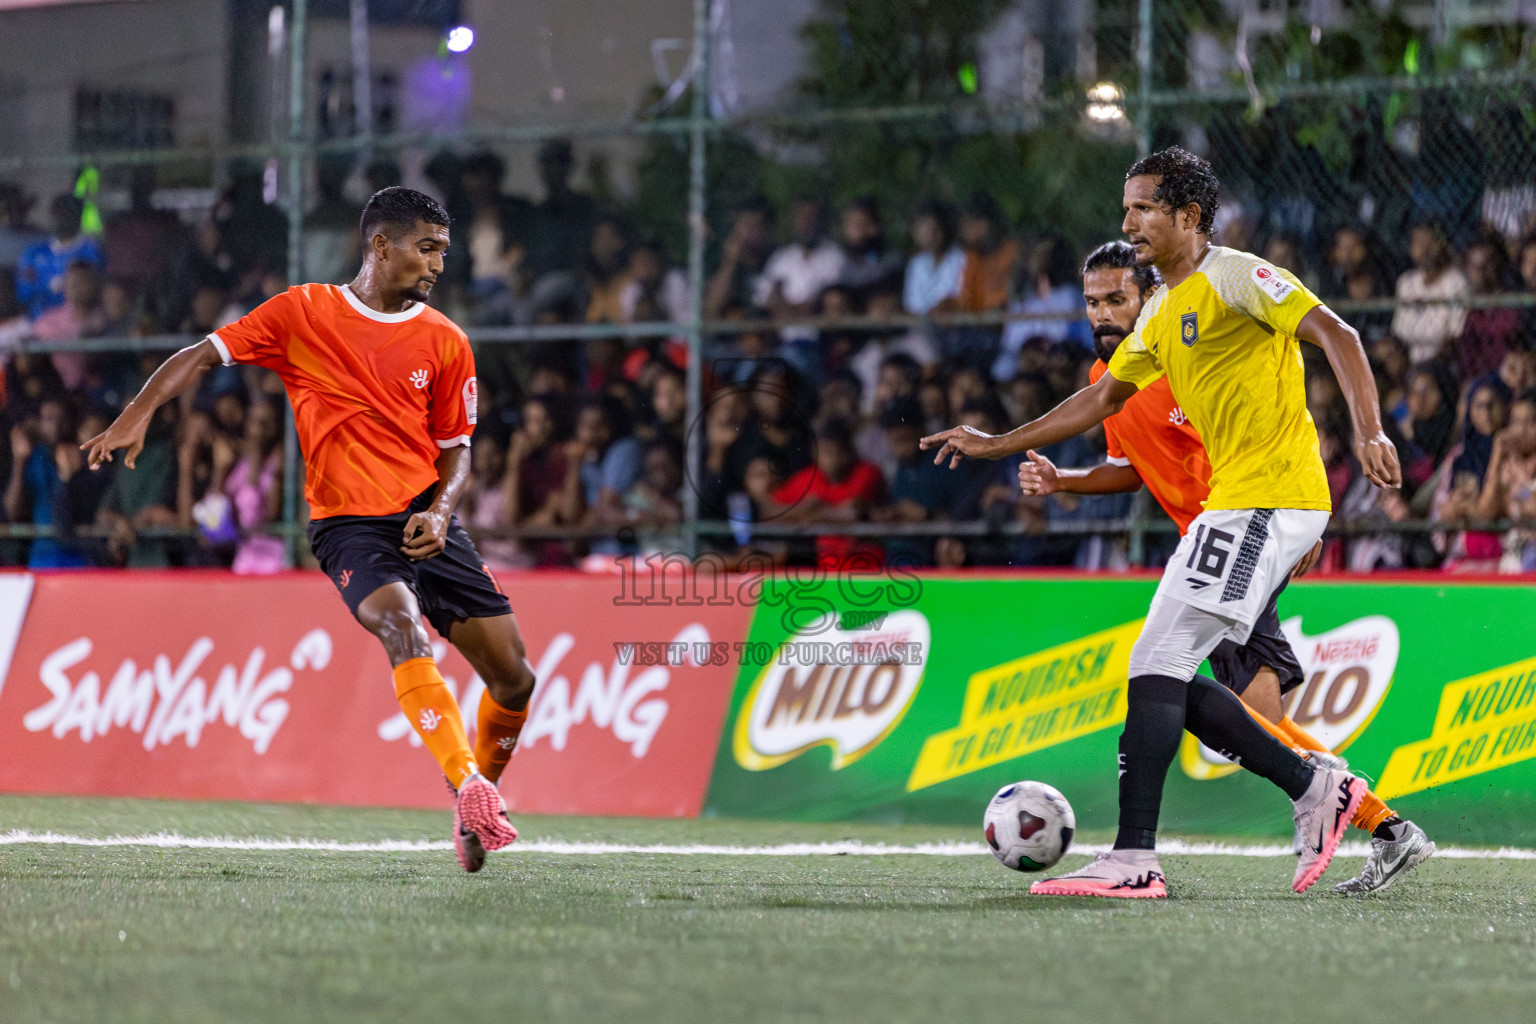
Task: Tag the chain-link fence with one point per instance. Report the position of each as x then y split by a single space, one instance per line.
1386 158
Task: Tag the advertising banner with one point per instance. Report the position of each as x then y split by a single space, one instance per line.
919 706
897 699
211 686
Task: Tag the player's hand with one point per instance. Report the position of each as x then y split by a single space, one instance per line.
1379 460
733 249
520 447
21 444
1038 475
957 442
426 534
1308 561
125 432
67 459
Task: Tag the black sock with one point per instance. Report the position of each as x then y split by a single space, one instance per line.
1154 724
1384 830
1219 720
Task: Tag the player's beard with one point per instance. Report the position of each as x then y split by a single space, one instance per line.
419 292
1106 339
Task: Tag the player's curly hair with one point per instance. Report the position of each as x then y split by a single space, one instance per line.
1121 256
397 209
1186 178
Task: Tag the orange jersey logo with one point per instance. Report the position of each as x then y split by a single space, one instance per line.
1152 434
376 396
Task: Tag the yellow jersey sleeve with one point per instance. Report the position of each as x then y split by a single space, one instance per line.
1133 362
1269 294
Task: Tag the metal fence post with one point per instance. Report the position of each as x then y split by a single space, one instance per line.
697 234
297 150
1144 33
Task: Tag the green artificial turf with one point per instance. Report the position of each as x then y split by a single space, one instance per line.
137 934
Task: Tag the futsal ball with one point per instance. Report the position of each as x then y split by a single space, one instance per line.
1029 826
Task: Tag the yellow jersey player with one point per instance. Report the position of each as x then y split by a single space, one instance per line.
1151 442
1224 329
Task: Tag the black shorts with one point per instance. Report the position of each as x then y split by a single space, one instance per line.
1234 665
362 553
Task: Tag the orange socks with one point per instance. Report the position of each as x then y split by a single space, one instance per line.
430 708
434 714
1276 731
1372 811
496 735
1297 736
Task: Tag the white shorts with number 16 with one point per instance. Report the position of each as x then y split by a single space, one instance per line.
1218 582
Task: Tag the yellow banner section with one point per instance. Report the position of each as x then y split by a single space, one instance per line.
1031 703
1484 722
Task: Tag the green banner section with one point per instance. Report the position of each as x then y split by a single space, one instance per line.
920 711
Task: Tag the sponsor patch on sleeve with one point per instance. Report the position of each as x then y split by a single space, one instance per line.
1272 283
471 400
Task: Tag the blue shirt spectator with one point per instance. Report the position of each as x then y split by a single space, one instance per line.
40 274
608 465
933 274
36 491
1054 309
931 280
16 235
616 470
1048 287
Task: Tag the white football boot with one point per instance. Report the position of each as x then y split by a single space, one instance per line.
1323 815
1390 860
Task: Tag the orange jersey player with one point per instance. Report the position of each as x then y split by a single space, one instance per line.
1151 442
384 399
1153 437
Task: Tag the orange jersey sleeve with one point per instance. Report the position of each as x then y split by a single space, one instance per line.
1114 454
376 396
455 396
259 338
1152 434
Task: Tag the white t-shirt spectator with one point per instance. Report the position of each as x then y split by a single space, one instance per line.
673 296
801 274
930 281
1426 329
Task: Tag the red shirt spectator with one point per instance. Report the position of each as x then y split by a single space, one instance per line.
837 488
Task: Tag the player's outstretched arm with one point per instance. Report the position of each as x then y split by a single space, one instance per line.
1339 341
175 375
1039 475
1087 408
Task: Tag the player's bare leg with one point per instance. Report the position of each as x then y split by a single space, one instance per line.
1263 695
392 614
494 648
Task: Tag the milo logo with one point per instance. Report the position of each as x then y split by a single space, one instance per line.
846 689
1346 673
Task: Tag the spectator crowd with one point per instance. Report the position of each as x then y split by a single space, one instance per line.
812 408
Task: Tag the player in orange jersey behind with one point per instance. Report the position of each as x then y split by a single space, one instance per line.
384 399
1151 442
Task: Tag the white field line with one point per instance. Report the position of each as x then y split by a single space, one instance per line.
176 841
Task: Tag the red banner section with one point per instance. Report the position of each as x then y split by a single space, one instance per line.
210 686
